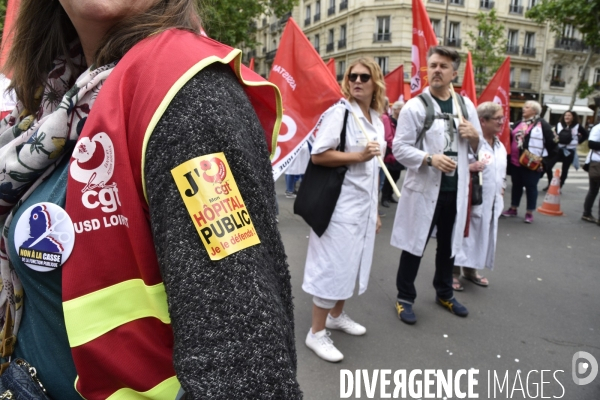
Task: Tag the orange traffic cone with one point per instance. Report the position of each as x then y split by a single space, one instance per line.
551 205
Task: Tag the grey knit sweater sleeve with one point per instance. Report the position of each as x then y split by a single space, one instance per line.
233 318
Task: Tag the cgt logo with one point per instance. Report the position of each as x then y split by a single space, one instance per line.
581 367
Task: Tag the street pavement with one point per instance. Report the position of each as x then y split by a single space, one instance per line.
542 306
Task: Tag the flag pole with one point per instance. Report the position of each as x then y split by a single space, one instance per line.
381 163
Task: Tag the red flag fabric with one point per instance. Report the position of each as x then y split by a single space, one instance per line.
297 70
251 66
468 86
12 8
498 91
423 38
394 85
331 65
407 94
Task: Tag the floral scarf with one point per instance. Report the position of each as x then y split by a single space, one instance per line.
31 146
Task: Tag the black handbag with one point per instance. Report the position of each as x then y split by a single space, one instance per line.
320 190
476 190
565 136
20 382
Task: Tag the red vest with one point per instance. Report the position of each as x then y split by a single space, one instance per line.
113 296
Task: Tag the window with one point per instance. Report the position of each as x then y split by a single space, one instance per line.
585 74
342 42
597 76
343 5
341 70
383 64
317 42
331 9
524 82
568 31
317 11
515 7
454 34
512 44
557 78
486 4
436 24
457 2
529 45
383 29
330 34
307 15
512 77
532 3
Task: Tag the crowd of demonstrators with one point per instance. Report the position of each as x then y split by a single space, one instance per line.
532 135
295 172
479 247
435 189
343 254
144 307
593 166
394 167
570 134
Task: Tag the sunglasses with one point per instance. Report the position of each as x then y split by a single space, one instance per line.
364 78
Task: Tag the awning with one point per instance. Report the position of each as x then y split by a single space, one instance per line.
561 108
517 104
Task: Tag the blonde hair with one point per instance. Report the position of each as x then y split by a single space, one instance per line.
378 101
535 105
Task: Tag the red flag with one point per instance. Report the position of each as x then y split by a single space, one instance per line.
12 9
468 86
407 93
394 85
423 37
251 66
498 91
331 66
297 70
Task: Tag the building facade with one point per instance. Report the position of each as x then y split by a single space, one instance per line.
544 66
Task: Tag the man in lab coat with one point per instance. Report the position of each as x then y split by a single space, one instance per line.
435 191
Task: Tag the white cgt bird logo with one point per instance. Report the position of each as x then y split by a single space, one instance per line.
101 170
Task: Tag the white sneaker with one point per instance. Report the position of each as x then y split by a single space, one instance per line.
322 345
344 323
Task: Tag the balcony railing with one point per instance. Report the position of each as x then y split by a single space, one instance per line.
453 42
437 1
528 51
307 21
271 55
556 83
513 84
275 26
317 17
329 47
331 11
457 2
344 5
570 44
341 44
525 85
382 37
515 9
340 77
486 4
512 49
264 50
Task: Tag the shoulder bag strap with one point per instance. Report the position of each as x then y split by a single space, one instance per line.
342 145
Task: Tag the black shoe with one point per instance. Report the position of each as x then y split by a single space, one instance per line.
393 201
546 188
385 203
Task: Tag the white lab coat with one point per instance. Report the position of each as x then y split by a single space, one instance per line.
479 248
422 183
345 251
299 164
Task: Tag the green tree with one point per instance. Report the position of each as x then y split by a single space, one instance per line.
233 21
584 15
2 16
487 45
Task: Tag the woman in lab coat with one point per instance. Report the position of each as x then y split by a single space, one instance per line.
345 251
479 248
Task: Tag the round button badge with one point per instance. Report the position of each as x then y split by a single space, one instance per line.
44 237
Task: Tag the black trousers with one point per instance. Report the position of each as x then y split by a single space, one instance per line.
591 197
386 191
443 218
566 164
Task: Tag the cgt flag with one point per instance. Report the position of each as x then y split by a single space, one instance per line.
307 90
468 86
394 85
251 65
498 91
423 37
331 66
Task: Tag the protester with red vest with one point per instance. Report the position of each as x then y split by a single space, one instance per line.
141 257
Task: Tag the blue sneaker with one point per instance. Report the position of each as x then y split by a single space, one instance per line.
453 306
405 312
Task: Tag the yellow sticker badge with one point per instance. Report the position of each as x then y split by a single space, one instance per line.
215 204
